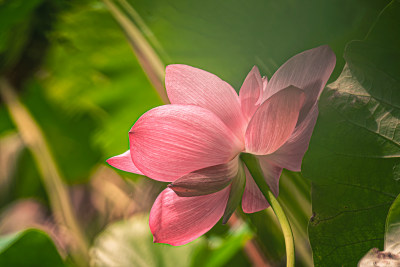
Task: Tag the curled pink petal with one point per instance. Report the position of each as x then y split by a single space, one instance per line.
290 155
274 121
192 86
170 141
253 200
250 92
206 181
309 71
178 220
124 162
271 172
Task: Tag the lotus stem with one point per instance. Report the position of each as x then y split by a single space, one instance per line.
253 166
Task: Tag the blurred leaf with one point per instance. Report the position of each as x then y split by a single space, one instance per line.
27 182
222 250
147 56
15 16
97 74
6 123
130 242
228 37
353 159
31 247
11 13
68 135
392 234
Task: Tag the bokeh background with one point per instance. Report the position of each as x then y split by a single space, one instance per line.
76 75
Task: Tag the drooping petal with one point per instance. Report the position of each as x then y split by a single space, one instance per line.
250 92
290 155
193 86
206 181
274 121
271 172
178 220
253 200
124 162
309 71
170 141
235 193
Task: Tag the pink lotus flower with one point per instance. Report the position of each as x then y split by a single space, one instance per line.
195 142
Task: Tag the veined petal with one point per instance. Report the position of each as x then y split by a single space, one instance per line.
309 71
170 141
124 162
250 92
193 86
274 121
178 220
253 200
290 155
206 181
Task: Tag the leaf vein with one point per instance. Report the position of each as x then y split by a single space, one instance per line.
350 211
351 244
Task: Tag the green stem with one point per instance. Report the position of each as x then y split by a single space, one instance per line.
255 170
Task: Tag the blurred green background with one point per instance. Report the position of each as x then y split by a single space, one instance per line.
76 75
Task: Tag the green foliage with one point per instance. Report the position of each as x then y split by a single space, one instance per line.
31 247
353 159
